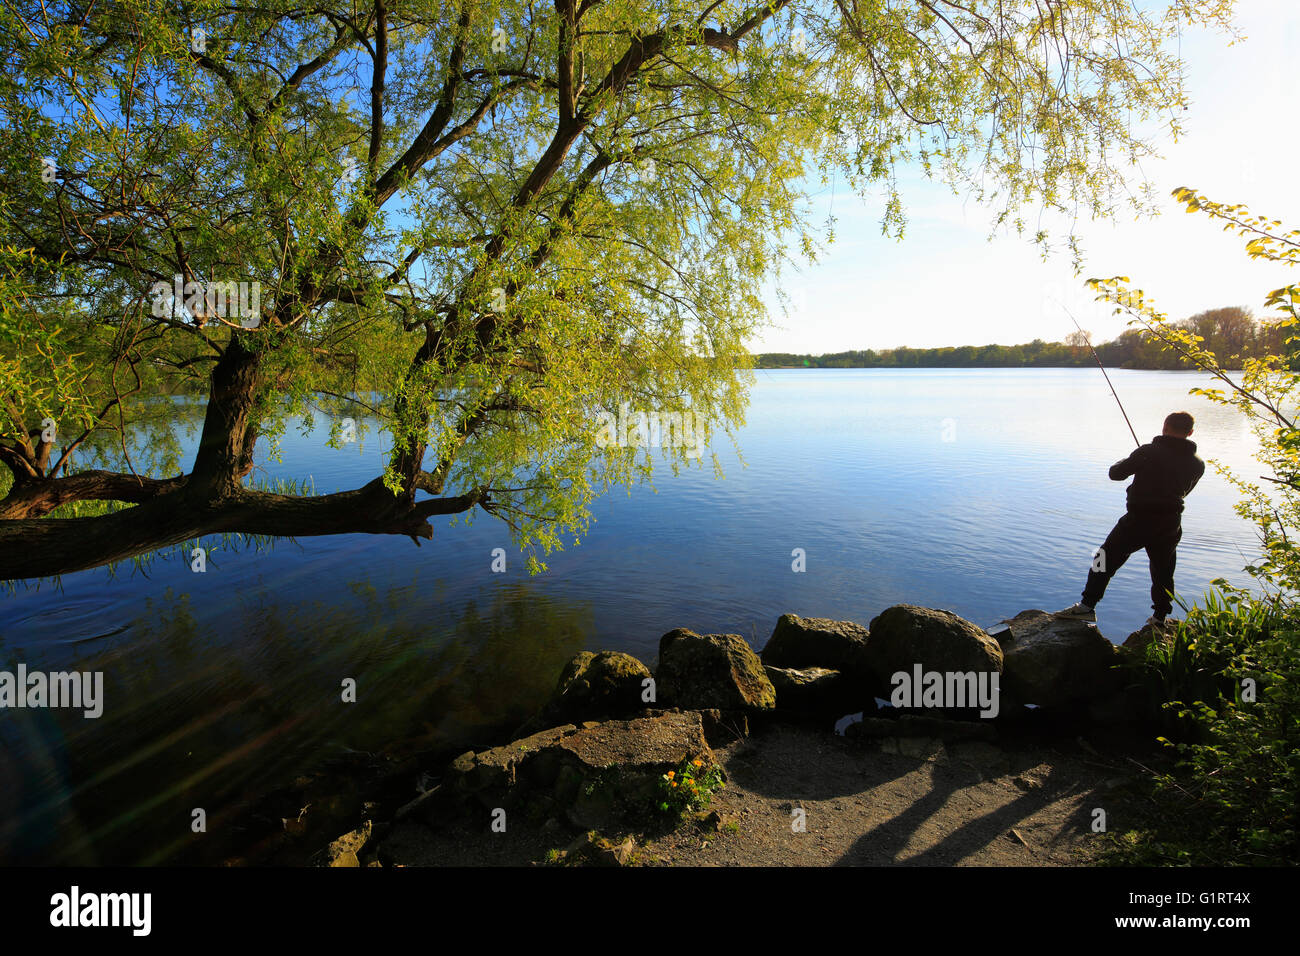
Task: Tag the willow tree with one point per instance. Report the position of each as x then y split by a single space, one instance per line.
477 224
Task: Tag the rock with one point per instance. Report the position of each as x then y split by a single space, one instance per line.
816 690
604 685
1148 634
619 766
802 642
1056 663
715 821
343 851
595 850
620 855
712 671
330 802
596 777
497 770
463 763
663 740
905 635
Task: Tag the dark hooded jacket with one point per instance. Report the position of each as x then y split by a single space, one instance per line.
1164 473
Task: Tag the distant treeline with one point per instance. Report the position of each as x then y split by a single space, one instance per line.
1232 334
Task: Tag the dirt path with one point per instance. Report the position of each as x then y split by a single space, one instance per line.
968 804
963 804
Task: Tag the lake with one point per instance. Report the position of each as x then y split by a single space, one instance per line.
982 491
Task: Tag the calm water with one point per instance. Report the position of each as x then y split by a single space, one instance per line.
980 491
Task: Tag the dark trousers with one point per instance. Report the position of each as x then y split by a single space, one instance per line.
1159 534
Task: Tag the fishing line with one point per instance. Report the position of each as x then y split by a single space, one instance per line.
1103 370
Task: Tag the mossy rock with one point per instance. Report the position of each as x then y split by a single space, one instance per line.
599 686
712 671
601 775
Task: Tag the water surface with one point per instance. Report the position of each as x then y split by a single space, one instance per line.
980 491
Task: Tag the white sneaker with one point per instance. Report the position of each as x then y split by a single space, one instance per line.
1077 612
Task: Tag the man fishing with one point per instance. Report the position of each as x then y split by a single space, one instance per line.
1164 473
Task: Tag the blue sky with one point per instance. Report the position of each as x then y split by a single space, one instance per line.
945 283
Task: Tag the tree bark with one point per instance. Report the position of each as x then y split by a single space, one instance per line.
38 497
225 454
45 547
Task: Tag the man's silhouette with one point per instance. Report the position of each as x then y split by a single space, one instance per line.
1164 473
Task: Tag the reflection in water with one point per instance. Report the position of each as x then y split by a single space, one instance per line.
193 722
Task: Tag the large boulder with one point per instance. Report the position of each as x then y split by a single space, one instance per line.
1056 663
1148 634
801 642
813 690
604 774
905 636
711 671
597 686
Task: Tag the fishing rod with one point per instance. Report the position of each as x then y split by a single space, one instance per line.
1103 370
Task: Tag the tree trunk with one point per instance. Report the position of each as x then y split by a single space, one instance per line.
225 453
45 547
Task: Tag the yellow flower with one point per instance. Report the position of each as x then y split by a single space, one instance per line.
671 774
698 763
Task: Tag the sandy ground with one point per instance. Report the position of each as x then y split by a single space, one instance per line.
960 804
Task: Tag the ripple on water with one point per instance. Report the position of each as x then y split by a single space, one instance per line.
63 621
